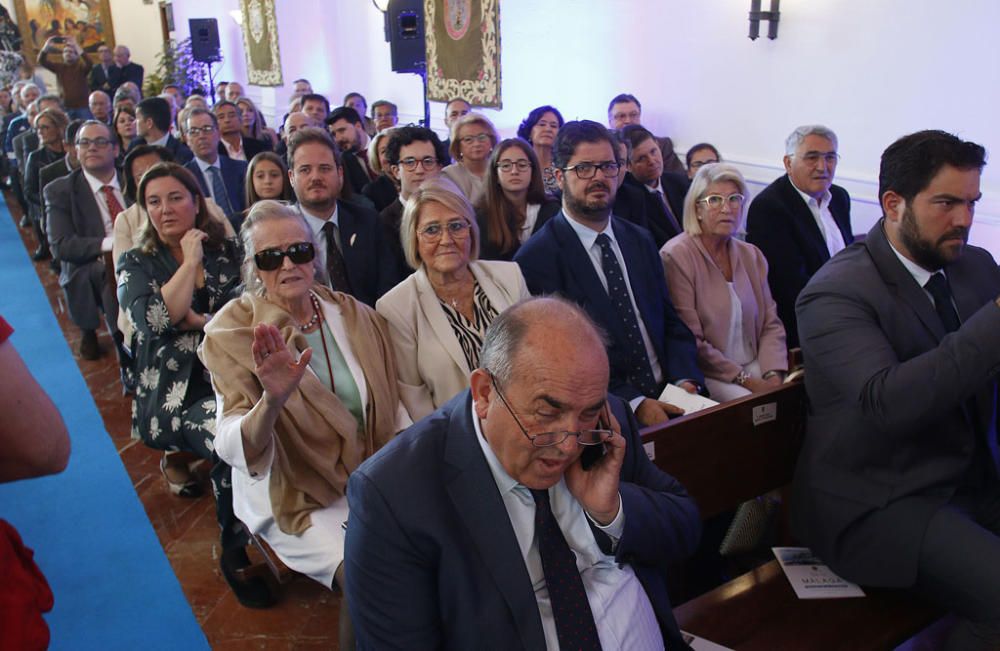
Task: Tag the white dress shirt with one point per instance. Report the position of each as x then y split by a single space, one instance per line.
236 153
95 187
824 219
622 611
204 167
316 223
588 238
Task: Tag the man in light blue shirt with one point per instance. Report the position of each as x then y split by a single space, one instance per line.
524 513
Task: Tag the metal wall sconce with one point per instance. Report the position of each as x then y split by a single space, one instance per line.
756 15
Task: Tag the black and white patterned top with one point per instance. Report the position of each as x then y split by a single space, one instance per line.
470 333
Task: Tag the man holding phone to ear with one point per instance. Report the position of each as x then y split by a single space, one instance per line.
484 525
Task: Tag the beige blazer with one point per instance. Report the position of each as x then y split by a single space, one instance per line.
429 359
471 185
128 228
701 296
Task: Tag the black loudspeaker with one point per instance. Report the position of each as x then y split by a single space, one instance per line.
404 29
204 40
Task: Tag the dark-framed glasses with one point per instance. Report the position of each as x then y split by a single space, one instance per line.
428 162
457 228
298 253
99 143
586 171
548 439
522 165
716 201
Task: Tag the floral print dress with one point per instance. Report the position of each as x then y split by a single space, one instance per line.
174 405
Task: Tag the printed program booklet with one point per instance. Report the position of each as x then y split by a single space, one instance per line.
810 577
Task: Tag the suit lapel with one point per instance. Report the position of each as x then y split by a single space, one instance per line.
434 314
805 222
89 217
481 510
580 265
899 279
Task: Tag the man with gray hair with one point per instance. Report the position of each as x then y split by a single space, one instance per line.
801 220
523 512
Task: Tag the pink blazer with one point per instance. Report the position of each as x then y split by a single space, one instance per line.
701 297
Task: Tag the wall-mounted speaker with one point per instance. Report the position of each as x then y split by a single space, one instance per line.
205 40
404 27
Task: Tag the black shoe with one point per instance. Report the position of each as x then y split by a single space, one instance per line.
55 266
41 253
89 348
252 593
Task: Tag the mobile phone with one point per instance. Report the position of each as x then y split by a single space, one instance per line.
591 455
58 39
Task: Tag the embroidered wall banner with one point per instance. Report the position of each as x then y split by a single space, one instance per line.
463 51
260 42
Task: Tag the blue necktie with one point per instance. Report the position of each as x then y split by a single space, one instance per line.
640 373
219 190
575 627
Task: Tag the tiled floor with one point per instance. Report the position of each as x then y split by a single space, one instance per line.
306 616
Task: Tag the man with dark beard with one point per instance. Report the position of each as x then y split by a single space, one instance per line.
897 483
612 269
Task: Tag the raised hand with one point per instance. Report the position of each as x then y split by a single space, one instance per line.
275 365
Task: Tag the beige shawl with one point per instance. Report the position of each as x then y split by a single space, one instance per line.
317 440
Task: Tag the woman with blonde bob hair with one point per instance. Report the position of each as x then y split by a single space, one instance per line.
719 287
437 316
305 382
473 138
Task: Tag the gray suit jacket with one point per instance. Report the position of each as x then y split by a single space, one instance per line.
76 229
900 412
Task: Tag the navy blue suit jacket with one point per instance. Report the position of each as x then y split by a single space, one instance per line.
433 561
234 173
554 262
180 152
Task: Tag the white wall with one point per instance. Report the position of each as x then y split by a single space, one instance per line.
870 69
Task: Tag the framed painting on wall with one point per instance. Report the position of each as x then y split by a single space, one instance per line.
260 42
463 51
87 21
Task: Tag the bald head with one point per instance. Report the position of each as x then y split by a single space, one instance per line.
543 330
100 105
298 120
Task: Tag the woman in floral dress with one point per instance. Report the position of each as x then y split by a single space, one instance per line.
169 287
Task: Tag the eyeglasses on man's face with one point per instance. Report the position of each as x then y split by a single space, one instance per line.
588 170
97 143
456 228
816 157
410 164
549 439
207 129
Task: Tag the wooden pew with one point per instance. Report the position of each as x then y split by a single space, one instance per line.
734 452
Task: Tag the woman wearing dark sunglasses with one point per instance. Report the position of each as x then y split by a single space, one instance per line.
306 382
168 287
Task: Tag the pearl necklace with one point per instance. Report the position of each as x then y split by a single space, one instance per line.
315 317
